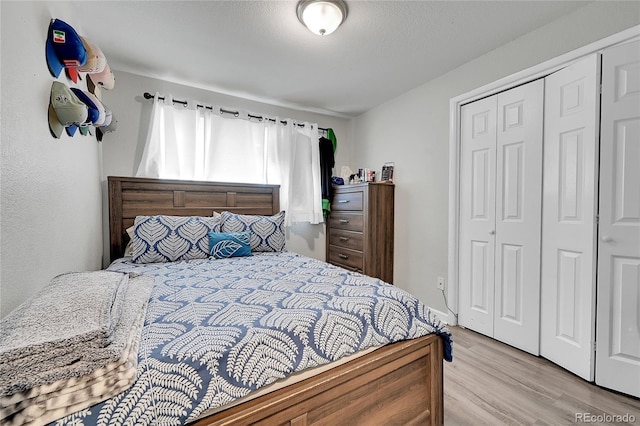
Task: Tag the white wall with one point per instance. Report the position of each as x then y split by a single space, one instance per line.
50 196
413 131
51 210
122 149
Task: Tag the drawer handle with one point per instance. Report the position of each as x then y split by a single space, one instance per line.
343 256
343 221
344 239
343 201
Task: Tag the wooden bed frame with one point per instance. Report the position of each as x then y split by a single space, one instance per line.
399 384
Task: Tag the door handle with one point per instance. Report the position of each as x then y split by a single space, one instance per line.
606 239
492 231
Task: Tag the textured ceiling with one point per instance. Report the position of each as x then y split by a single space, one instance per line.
260 51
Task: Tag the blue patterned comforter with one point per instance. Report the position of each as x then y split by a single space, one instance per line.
218 329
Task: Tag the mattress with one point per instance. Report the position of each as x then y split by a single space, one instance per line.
218 332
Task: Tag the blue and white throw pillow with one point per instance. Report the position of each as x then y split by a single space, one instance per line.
267 232
171 238
224 244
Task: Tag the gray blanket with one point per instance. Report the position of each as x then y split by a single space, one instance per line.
43 404
88 356
73 310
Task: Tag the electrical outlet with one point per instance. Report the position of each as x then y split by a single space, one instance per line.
440 283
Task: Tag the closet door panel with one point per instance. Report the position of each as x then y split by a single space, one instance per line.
518 216
618 325
571 120
477 215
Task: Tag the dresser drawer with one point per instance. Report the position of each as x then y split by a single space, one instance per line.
347 239
352 201
346 221
349 259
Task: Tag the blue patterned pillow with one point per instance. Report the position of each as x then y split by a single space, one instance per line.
170 238
267 232
223 245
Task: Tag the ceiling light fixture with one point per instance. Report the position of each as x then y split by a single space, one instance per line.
322 17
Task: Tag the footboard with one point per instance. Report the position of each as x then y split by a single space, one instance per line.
399 384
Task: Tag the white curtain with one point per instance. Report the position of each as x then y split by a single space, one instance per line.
187 142
293 162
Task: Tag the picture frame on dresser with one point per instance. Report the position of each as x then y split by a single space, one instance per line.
386 174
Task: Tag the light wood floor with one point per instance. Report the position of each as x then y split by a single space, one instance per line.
490 383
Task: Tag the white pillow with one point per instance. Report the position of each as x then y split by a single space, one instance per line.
170 238
267 232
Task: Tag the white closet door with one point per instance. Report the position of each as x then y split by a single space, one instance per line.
569 216
477 215
618 325
518 216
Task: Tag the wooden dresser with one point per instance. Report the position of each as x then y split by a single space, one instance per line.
360 229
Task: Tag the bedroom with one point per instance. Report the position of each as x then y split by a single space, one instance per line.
53 192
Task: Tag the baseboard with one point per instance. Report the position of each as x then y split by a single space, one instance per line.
444 317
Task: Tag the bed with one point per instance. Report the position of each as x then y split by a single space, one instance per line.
379 383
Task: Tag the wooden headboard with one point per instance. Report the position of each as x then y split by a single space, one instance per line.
130 197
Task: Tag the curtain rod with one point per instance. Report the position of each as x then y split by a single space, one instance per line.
148 95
